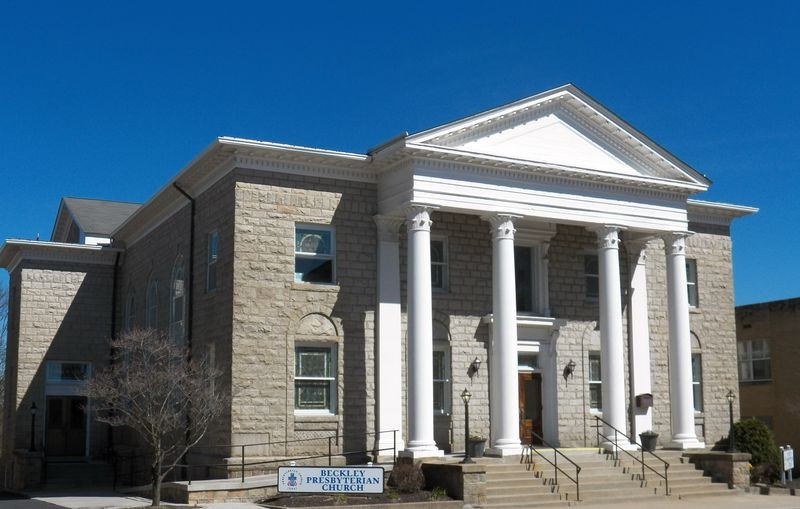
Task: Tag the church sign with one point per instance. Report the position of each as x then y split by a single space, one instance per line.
330 479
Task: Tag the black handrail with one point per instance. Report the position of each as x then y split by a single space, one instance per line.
244 464
554 463
617 448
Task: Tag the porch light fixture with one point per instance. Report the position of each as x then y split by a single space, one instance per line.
474 367
33 426
731 436
569 369
465 396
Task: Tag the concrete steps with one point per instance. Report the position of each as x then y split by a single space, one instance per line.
602 480
77 476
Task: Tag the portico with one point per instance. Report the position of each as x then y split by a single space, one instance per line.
597 173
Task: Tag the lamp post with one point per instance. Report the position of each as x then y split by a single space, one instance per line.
33 426
731 436
465 395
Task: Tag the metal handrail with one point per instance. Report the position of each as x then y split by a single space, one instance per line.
554 463
617 448
244 464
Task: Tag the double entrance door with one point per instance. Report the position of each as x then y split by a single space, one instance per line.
66 426
530 407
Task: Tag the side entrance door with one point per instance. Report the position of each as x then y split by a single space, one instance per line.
530 407
66 426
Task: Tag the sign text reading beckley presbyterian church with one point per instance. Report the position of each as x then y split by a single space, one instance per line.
330 479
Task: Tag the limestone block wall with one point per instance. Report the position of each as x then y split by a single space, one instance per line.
60 312
271 312
155 255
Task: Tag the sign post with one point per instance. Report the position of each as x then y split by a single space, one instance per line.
787 458
345 479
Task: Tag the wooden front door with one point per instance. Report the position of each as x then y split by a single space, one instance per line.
530 407
66 426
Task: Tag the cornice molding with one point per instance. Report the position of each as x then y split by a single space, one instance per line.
14 252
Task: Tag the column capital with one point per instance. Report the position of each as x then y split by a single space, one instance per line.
675 242
502 225
388 227
608 236
418 216
637 251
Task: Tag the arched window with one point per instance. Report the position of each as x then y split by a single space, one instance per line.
151 304
177 303
130 310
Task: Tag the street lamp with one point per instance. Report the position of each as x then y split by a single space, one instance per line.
465 395
33 426
731 436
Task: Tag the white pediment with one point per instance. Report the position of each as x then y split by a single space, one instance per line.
561 128
552 139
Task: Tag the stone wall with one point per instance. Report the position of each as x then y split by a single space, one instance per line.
271 312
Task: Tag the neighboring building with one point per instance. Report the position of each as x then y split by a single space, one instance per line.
768 343
547 239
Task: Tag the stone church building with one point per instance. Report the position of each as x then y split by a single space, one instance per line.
545 255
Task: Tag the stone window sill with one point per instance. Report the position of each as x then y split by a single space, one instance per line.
315 287
300 416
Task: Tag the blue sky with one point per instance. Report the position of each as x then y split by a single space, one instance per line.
108 100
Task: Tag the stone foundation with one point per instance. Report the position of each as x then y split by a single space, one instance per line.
732 468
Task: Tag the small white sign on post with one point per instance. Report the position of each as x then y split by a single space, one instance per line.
349 479
788 458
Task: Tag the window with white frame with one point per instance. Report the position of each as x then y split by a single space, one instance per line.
177 299
754 360
315 378
691 282
441 378
151 304
595 382
697 382
212 250
591 276
314 254
439 275
130 310
67 371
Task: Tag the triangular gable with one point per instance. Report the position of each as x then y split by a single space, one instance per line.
562 127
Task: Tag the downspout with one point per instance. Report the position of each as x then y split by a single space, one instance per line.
114 289
190 300
629 316
190 303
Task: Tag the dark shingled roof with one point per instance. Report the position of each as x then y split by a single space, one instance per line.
99 216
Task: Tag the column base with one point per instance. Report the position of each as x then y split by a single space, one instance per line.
685 443
421 451
501 451
623 445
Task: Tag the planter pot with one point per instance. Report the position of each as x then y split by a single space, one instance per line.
476 448
649 441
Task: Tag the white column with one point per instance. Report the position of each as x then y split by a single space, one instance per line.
420 335
680 346
640 336
388 327
503 381
611 352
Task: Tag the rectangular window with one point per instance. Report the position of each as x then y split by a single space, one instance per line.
691 282
523 267
591 275
211 261
441 380
697 382
595 382
754 361
314 254
67 372
315 378
439 274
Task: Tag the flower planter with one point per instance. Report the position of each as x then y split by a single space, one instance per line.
649 441
476 447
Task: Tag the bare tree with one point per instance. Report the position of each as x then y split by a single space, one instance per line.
153 389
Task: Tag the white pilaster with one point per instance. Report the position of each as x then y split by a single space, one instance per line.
420 334
680 346
611 348
640 336
390 416
503 381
